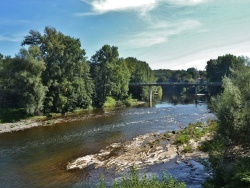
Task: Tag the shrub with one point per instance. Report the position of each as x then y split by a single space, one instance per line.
187 149
129 101
182 139
109 102
134 181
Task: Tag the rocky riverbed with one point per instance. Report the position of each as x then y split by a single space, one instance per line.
141 152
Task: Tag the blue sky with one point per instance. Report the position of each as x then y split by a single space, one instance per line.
167 34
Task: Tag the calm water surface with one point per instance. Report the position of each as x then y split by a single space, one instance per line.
37 157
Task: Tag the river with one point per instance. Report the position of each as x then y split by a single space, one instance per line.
37 157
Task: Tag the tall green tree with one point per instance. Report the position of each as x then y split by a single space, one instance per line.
110 75
67 74
140 73
233 106
31 87
21 76
218 68
229 153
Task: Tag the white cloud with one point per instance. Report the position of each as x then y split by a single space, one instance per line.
141 6
104 6
159 32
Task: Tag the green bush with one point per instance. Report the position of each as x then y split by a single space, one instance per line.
187 149
182 139
134 181
109 102
129 101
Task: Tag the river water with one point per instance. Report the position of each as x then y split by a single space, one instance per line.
37 157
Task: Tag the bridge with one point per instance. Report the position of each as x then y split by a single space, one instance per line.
177 84
182 84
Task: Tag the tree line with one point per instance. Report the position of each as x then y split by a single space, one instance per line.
215 71
52 74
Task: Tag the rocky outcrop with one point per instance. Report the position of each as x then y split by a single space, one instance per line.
142 151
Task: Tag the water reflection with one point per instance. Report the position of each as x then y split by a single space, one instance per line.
184 99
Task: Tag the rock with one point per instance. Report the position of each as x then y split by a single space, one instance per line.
136 152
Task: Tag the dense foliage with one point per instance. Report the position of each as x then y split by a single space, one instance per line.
189 75
67 73
21 82
230 150
52 75
218 68
222 66
110 74
140 73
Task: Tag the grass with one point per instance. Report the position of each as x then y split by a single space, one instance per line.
195 131
133 180
188 149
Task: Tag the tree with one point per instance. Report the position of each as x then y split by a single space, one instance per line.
232 106
67 74
218 68
230 150
140 73
110 75
30 81
194 72
21 76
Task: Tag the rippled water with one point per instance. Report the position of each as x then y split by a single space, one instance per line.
37 157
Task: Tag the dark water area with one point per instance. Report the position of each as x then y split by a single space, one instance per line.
37 157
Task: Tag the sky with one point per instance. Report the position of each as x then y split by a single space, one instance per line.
167 34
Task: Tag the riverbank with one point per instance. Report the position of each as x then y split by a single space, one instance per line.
150 149
44 121
55 119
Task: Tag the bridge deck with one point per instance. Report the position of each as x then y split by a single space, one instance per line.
177 84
